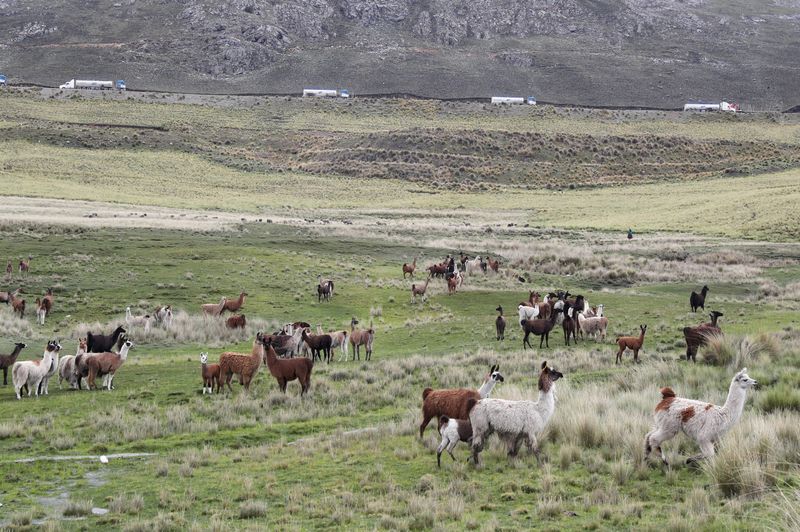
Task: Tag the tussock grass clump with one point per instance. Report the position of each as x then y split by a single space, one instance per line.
252 509
78 508
732 351
127 504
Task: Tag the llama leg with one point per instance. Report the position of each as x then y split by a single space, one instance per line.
636 356
425 421
5 376
706 451
656 438
439 450
450 449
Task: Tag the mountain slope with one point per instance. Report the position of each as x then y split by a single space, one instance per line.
599 52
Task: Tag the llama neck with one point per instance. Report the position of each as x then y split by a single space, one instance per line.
486 388
546 404
46 360
734 404
258 353
123 353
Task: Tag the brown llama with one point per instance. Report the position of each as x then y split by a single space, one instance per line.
25 265
5 297
6 361
419 290
408 269
210 373
494 265
106 364
698 336
214 309
569 325
47 301
41 311
289 369
634 343
452 284
698 300
246 366
9 269
237 321
359 337
500 324
18 306
233 305
319 344
540 328
534 300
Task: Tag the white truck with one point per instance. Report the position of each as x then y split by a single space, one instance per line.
327 93
705 105
497 100
93 84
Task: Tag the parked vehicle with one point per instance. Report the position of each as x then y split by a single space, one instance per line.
94 84
706 105
530 100
327 93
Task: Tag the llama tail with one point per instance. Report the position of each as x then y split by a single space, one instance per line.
443 421
667 392
471 402
426 392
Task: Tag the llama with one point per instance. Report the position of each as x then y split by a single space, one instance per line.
137 321
698 336
569 325
319 344
514 421
287 370
452 432
452 284
5 297
237 321
634 343
419 290
214 309
47 301
25 265
526 312
9 269
698 300
540 328
246 366
31 372
233 305
163 316
41 312
6 361
494 265
437 270
474 265
500 324
338 339
703 422
408 269
596 326
210 373
359 337
324 289
103 343
18 306
453 402
66 368
106 365
44 384
285 344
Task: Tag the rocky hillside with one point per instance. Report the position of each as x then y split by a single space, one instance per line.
599 52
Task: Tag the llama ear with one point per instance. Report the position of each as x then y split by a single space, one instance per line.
544 364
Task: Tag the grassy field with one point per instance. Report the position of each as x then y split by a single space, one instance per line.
348 454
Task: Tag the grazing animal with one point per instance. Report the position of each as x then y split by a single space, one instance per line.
6 361
287 344
514 421
214 309
698 336
18 306
494 265
543 308
25 265
569 325
474 265
596 326
9 269
634 343
437 270
44 385
210 373
41 312
452 431
324 289
5 297
500 324
408 269
338 339
698 300
287 370
526 312
703 422
320 345
452 284
540 328
66 368
246 366
106 365
31 372
103 343
137 321
417 290
233 305
359 337
453 402
237 321
163 316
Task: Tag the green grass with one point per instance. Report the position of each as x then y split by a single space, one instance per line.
266 459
